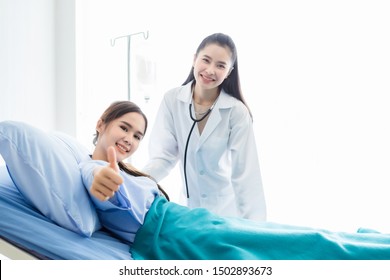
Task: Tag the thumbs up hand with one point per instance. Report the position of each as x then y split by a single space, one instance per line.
107 178
111 157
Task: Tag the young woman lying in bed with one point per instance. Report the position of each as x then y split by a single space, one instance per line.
133 207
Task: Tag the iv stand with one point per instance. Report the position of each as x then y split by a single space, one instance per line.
146 36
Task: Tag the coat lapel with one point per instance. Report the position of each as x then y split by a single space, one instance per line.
215 117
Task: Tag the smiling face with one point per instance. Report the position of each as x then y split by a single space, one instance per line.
124 134
212 65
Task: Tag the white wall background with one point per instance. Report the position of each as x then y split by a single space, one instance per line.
316 75
37 63
27 61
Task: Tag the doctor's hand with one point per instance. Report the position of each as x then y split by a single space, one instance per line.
106 178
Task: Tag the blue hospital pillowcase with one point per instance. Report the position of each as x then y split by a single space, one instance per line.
44 168
5 179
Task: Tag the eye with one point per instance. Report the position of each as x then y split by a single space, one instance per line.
221 66
206 60
124 128
138 137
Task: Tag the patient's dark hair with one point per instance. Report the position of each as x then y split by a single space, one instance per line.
114 111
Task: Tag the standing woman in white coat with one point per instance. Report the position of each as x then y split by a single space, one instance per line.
207 126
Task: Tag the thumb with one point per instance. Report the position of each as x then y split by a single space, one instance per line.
111 156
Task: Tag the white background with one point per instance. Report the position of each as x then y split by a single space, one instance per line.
315 74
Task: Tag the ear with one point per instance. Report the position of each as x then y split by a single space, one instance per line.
99 125
230 71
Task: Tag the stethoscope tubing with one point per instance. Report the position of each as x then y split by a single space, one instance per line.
188 140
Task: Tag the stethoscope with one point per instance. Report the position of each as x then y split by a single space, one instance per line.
195 121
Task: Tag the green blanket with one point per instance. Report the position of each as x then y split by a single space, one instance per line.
174 232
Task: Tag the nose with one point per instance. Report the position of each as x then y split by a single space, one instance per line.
210 70
128 140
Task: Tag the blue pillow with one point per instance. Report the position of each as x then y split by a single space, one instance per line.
5 179
45 168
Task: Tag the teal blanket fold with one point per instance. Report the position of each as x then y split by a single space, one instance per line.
174 232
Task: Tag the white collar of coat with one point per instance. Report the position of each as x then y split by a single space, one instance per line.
225 100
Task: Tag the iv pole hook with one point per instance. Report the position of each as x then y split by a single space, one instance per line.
146 36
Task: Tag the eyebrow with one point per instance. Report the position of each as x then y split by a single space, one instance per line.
130 126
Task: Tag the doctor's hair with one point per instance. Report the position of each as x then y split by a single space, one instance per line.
231 85
114 111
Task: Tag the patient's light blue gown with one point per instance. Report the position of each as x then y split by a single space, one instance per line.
124 213
158 229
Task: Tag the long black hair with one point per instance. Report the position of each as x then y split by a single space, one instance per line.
114 111
231 85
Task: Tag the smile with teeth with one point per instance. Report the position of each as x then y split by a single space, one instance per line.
207 78
122 148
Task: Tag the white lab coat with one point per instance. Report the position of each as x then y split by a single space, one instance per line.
223 170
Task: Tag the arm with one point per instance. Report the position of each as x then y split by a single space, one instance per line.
105 183
121 200
163 147
106 179
246 175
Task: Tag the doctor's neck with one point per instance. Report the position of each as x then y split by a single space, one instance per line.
205 96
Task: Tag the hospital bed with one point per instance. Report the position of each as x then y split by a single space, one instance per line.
46 213
8 251
27 234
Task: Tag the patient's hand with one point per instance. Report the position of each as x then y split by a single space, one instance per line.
106 179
